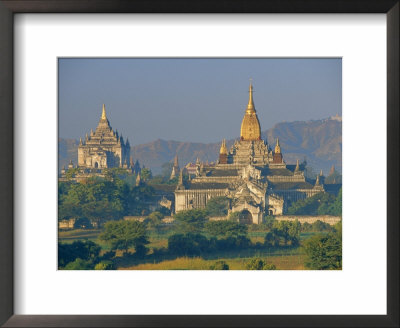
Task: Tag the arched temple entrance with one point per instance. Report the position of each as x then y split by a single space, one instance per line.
245 217
96 165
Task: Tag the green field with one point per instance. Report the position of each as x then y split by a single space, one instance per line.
283 258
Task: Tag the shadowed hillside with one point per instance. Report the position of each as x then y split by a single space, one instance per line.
319 141
67 150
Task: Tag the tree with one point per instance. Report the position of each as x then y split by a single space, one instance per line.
336 207
259 264
234 216
217 206
95 199
79 264
271 239
145 174
124 234
294 232
324 252
104 265
71 173
269 221
319 204
85 250
288 231
139 196
188 244
191 220
219 265
154 219
225 228
338 229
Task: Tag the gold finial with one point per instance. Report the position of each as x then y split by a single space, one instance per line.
103 113
277 147
317 181
176 163
250 105
321 173
223 149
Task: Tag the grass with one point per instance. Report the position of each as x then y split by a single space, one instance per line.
78 234
284 258
287 262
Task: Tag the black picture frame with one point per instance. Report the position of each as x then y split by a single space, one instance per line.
7 10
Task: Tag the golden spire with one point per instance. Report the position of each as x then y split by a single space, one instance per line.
277 147
297 166
250 105
223 149
103 113
250 129
176 163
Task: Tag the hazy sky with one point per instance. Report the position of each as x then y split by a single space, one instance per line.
199 100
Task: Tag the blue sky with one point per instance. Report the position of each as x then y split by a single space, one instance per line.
198 100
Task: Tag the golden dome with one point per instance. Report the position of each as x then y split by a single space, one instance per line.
250 129
223 149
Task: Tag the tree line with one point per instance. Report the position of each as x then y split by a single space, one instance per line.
319 204
102 199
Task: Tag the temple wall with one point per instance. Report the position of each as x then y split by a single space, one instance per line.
332 220
193 199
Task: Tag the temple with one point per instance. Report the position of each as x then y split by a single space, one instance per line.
254 178
103 148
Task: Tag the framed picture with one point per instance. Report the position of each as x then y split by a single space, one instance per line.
164 76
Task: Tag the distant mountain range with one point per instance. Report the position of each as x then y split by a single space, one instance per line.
320 142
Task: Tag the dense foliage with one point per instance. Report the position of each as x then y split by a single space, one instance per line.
121 235
319 204
103 199
316 226
259 264
191 220
83 250
283 232
324 251
191 244
219 265
225 228
217 206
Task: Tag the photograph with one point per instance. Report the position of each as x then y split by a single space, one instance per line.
199 163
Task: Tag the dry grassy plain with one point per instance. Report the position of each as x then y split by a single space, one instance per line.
287 262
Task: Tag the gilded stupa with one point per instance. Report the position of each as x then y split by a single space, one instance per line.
250 129
250 148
